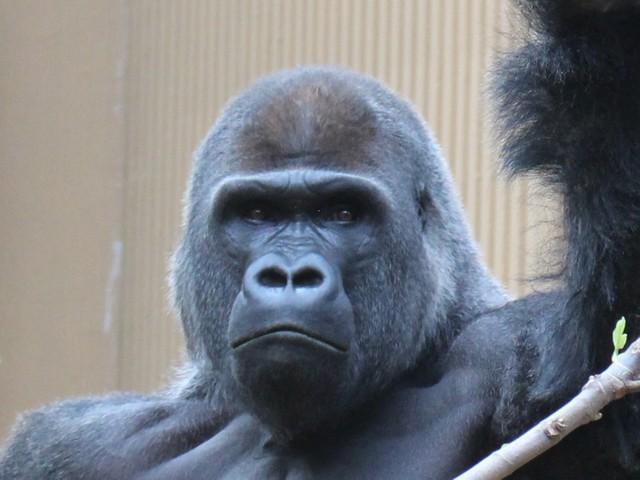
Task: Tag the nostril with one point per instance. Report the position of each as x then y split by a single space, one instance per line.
272 278
307 278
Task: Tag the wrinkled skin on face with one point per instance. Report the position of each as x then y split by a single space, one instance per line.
292 325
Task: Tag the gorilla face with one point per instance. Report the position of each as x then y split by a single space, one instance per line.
304 280
299 234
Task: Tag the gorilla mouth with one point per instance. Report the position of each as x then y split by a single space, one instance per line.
290 330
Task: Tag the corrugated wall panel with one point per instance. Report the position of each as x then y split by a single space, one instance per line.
186 58
60 163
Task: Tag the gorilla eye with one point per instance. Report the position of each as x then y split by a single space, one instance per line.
255 215
342 214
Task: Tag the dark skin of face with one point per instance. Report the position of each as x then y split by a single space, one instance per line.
298 233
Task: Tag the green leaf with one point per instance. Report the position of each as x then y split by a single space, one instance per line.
619 338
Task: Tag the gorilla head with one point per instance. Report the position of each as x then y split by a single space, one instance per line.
324 253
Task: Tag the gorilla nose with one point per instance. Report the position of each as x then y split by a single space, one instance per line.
272 277
302 299
309 276
277 277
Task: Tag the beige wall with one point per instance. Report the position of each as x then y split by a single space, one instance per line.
103 102
60 199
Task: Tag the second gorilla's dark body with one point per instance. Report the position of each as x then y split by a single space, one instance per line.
338 319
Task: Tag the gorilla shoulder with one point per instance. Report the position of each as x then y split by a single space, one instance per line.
111 437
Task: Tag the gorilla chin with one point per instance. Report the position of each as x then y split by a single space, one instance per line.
285 374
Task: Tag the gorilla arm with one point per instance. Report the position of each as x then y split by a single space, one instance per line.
568 109
114 437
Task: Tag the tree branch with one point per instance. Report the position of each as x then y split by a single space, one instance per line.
620 379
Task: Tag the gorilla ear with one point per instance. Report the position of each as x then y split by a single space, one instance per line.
424 206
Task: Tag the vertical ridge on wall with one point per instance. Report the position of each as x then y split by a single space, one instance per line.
476 42
187 57
500 205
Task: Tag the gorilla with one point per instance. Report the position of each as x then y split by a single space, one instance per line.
338 320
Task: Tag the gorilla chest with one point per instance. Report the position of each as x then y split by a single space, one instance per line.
411 447
360 458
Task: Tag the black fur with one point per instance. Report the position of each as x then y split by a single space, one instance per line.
568 109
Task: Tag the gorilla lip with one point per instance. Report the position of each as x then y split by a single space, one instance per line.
289 329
